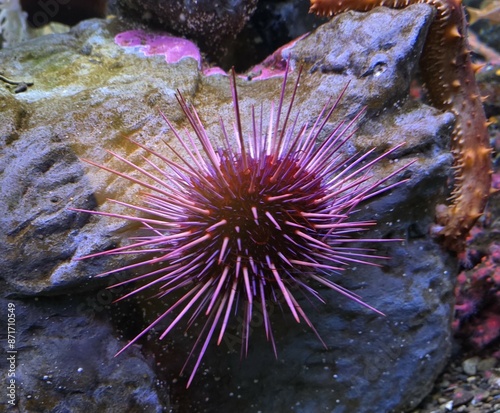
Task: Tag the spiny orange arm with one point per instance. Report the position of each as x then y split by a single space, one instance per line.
448 73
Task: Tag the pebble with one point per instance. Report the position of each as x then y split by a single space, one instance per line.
468 386
469 366
444 384
487 364
461 397
479 397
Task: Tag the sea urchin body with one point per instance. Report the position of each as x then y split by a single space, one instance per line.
251 222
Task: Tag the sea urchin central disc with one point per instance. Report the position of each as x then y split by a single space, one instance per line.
258 215
251 222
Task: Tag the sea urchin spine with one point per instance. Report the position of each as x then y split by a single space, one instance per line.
253 221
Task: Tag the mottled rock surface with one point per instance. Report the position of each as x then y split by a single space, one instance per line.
89 94
232 34
213 25
65 363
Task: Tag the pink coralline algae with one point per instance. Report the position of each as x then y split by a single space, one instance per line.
173 48
477 310
274 65
176 48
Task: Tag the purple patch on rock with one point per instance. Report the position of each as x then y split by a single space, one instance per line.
212 71
275 64
173 48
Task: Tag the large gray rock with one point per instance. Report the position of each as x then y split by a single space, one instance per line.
64 362
90 94
213 26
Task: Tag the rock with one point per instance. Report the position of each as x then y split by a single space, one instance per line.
213 26
470 365
477 322
272 25
461 397
448 406
487 364
245 37
64 361
90 93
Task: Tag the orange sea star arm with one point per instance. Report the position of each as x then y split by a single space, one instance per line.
449 76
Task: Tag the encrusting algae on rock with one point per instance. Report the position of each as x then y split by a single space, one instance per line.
449 77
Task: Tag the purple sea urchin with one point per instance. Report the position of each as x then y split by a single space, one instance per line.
250 222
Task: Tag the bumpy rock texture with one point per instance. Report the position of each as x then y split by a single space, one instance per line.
89 94
239 33
65 362
212 25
